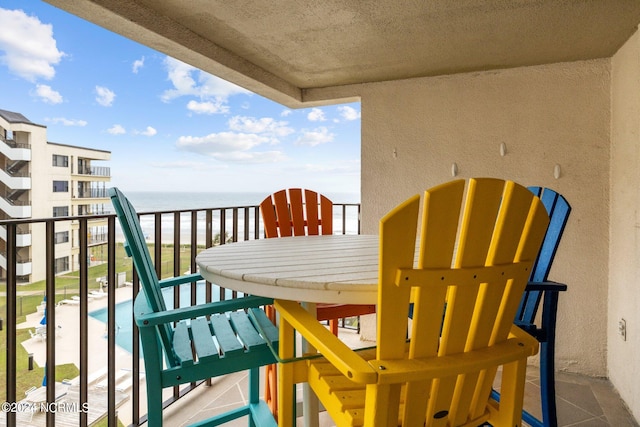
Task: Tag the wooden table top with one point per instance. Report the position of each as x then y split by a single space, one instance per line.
340 269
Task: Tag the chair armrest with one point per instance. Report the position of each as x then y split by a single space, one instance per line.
180 280
518 346
348 362
145 317
546 286
550 292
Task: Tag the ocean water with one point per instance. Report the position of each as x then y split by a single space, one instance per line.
158 200
171 201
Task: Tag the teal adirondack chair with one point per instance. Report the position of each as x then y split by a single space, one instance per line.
188 350
539 289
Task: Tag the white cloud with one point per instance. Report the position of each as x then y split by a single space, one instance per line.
27 46
316 115
230 146
116 130
208 107
315 137
149 131
286 113
220 142
349 113
48 95
137 64
189 81
67 122
265 125
104 96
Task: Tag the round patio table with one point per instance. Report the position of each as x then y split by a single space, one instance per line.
337 269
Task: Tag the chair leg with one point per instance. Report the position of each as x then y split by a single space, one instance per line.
153 366
254 396
333 325
154 402
271 374
547 386
547 361
271 388
286 385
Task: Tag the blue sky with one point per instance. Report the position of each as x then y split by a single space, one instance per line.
168 125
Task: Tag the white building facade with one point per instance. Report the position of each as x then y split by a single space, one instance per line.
41 179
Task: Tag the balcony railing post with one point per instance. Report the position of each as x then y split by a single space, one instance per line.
50 366
11 364
83 321
234 225
111 322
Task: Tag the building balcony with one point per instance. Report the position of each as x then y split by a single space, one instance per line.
15 208
15 150
23 238
15 182
101 171
92 193
23 267
96 345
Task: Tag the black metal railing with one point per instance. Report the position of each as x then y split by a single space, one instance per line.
95 171
13 144
12 197
174 238
92 193
14 168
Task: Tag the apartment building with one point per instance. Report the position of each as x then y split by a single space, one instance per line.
42 179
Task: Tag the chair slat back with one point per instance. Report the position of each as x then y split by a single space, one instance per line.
137 249
558 209
492 231
296 212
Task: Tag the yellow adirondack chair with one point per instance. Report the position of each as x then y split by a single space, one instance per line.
476 252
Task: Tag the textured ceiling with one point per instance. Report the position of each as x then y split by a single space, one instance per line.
280 48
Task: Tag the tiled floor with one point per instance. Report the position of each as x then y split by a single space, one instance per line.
582 402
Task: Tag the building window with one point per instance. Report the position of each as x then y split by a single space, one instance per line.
62 265
61 211
60 186
61 161
61 237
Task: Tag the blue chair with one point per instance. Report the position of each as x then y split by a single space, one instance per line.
539 289
183 337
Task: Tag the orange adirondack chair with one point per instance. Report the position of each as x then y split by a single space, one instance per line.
301 212
477 248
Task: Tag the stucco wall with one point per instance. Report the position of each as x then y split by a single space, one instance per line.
413 130
624 296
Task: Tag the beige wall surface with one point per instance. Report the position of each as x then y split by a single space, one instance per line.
624 267
413 130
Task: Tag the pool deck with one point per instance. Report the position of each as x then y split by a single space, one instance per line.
68 337
68 350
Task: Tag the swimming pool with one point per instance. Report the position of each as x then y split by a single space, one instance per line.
124 311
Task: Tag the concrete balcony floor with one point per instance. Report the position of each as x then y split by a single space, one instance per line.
582 401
